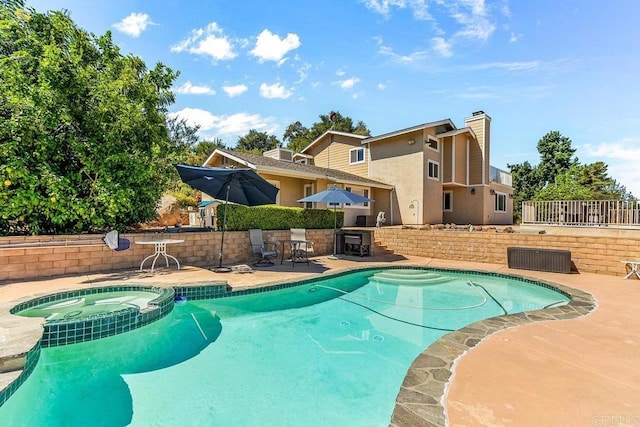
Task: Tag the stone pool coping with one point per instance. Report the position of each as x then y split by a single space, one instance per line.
420 401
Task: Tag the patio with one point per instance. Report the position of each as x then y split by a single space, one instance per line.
571 372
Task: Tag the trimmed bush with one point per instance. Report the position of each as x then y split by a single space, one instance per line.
277 217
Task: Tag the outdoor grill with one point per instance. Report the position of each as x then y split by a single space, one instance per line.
358 243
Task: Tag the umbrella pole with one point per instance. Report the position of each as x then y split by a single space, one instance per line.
220 268
335 238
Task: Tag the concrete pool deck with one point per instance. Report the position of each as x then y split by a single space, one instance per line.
575 372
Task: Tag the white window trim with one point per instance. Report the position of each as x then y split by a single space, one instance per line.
356 190
435 178
277 185
307 205
450 193
431 138
495 202
364 156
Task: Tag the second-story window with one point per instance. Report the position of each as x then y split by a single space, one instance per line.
434 170
356 155
432 143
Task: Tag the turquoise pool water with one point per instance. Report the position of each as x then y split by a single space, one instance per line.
88 305
333 352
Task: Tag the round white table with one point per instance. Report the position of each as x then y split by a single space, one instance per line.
160 250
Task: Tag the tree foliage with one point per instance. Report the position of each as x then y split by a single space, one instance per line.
83 131
556 156
298 136
560 176
257 142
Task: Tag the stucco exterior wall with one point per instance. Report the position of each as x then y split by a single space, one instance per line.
398 161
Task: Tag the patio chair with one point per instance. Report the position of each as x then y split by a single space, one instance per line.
263 251
300 251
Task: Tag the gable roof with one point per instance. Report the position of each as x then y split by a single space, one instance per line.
296 170
332 132
446 122
457 132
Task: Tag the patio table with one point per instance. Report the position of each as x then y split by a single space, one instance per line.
160 249
297 253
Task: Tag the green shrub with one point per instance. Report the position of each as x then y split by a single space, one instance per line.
277 217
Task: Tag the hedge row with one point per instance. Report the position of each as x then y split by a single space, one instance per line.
277 217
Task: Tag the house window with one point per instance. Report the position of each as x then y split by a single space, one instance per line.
365 193
349 190
356 155
308 190
434 170
447 201
432 143
500 203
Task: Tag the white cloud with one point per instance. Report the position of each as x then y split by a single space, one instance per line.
620 156
270 47
209 41
515 37
303 72
348 83
419 8
382 86
225 126
275 90
340 73
134 24
413 58
509 66
189 88
233 91
441 46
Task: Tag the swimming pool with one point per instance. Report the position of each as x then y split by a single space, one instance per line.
328 352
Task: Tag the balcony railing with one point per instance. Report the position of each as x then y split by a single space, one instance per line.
587 213
499 176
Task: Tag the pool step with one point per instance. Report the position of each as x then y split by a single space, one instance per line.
409 277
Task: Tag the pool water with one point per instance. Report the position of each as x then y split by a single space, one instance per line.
92 304
333 352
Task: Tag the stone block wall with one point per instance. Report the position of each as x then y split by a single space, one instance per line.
593 254
35 257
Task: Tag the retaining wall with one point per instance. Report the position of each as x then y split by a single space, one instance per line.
200 249
593 254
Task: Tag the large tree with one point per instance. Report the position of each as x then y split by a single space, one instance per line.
556 156
299 137
83 131
257 142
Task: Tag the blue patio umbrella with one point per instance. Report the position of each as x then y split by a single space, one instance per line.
335 195
241 186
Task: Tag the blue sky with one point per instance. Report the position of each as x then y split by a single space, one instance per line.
533 66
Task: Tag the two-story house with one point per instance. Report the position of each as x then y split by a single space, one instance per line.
427 174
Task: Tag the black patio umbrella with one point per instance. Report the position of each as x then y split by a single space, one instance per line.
241 186
335 195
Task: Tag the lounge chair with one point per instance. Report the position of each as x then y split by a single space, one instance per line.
264 251
300 251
